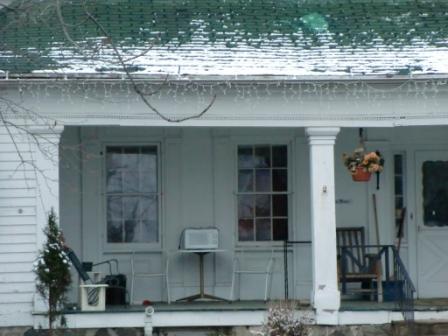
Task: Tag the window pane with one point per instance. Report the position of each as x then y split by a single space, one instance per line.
130 170
131 208
246 229
280 229
114 208
280 205
245 157
279 156
245 206
131 233
263 228
130 157
114 169
149 208
262 180
398 202
150 231
398 185
114 182
245 180
263 206
114 232
262 156
148 169
130 181
435 193
114 157
398 164
279 180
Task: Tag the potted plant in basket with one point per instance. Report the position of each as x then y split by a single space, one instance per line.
362 164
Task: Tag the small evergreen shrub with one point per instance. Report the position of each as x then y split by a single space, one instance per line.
52 269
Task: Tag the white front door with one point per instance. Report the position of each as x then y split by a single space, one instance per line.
432 222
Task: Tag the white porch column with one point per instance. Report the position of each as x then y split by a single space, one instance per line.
45 141
325 294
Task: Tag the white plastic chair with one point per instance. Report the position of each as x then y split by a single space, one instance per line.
147 275
266 272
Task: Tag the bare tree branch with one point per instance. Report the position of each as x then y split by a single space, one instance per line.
134 84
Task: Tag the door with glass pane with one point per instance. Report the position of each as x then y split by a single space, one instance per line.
432 223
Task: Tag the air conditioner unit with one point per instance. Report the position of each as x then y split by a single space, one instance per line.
200 239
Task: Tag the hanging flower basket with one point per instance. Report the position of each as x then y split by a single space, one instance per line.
361 165
361 175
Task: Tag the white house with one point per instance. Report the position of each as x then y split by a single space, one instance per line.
93 100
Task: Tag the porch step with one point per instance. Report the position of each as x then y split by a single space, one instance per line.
421 328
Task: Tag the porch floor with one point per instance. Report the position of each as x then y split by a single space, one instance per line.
439 304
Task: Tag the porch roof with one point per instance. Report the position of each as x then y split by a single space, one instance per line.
318 38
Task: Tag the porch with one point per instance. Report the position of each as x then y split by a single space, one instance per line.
199 179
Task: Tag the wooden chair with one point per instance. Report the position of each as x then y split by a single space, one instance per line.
356 265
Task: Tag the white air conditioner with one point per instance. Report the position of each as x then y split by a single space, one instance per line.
200 239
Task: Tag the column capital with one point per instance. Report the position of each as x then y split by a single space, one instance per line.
322 135
46 130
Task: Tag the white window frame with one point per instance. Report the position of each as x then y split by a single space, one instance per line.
260 141
131 247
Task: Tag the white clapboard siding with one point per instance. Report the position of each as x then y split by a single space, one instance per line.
13 248
18 248
12 193
18 239
16 267
17 229
14 211
15 297
20 174
19 287
18 201
17 277
11 148
17 157
18 184
11 308
18 220
17 257
16 314
15 166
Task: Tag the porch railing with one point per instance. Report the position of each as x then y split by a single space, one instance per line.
398 286
406 302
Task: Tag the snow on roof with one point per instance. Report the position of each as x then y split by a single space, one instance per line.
229 38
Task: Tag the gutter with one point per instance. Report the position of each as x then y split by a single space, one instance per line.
175 78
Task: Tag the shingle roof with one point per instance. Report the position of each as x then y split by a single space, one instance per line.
228 37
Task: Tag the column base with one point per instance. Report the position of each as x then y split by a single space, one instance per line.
327 317
326 299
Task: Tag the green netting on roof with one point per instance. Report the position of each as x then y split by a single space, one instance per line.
28 33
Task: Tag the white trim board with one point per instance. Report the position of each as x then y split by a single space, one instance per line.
225 318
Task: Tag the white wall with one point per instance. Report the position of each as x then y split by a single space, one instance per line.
18 229
198 182
198 185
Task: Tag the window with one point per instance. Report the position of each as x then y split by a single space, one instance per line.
435 193
262 193
132 194
399 195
